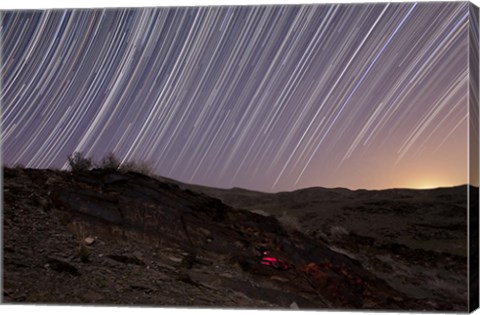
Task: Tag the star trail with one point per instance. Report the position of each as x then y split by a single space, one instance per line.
267 98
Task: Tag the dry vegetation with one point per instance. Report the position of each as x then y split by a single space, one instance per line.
78 163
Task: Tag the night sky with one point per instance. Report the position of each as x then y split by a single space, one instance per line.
267 98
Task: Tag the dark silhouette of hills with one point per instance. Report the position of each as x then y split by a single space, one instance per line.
107 237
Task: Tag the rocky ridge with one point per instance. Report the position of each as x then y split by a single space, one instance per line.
104 237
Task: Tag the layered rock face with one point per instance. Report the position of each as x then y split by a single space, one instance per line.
104 237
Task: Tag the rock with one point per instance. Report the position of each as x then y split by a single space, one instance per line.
127 259
89 240
175 259
202 261
62 266
282 279
140 287
226 275
294 306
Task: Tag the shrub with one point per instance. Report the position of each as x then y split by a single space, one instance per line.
79 163
110 162
83 253
142 168
18 166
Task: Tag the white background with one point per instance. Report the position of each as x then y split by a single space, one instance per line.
87 310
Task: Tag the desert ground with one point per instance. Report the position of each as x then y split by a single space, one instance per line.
107 237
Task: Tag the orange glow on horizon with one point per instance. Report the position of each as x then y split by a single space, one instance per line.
431 183
428 185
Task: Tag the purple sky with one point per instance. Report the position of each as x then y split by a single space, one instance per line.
267 98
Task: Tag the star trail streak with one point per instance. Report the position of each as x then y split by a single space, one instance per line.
267 98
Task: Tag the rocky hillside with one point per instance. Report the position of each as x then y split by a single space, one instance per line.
105 237
415 240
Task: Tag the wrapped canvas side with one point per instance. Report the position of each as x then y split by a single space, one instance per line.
473 158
